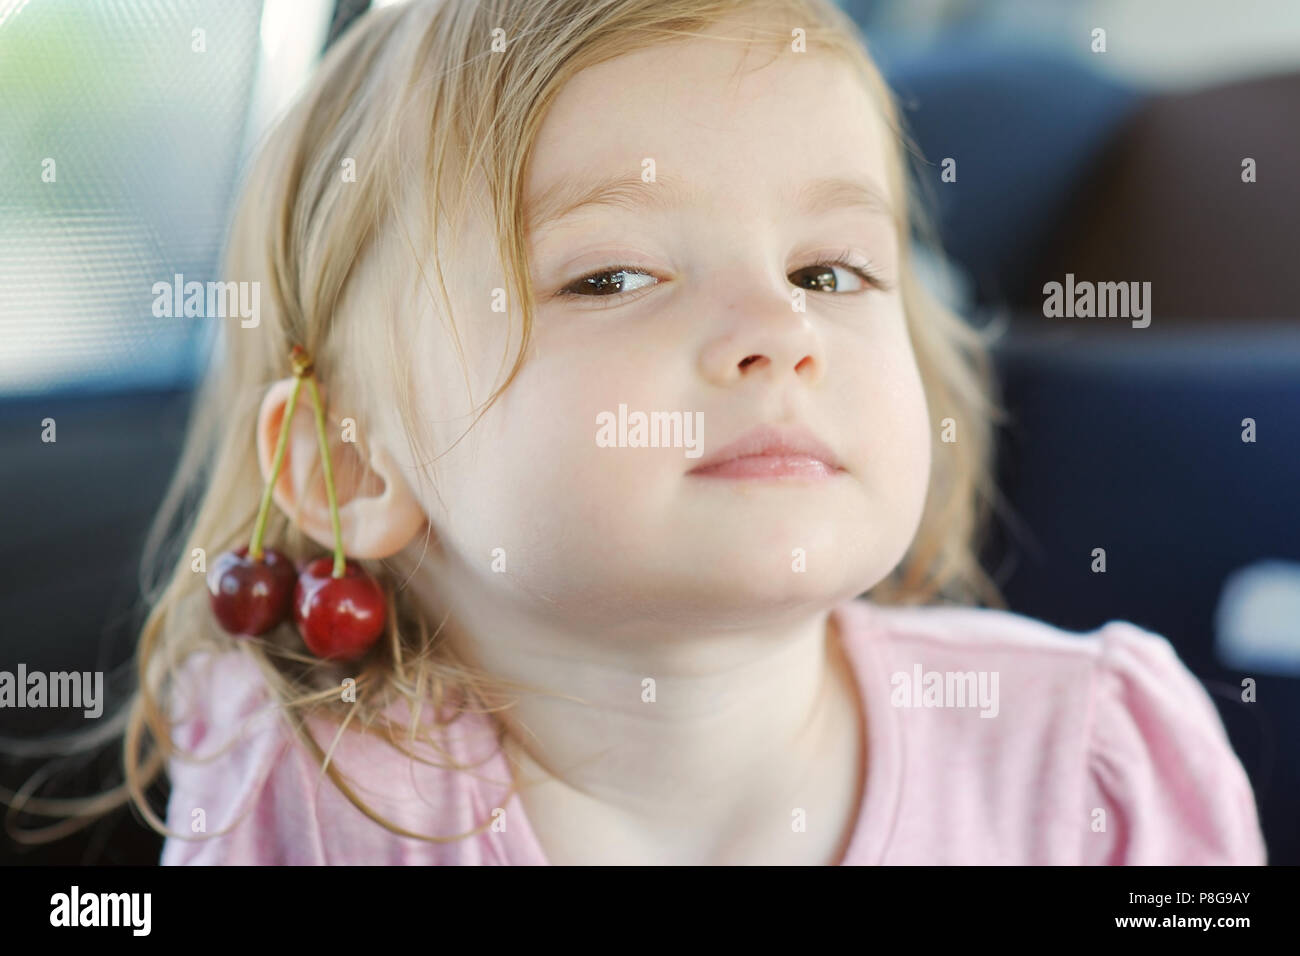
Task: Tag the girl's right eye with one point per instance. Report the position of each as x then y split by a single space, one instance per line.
611 281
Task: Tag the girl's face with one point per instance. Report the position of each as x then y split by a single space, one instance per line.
757 182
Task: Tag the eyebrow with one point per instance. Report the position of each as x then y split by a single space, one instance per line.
817 196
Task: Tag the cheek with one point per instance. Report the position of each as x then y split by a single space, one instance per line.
532 480
892 438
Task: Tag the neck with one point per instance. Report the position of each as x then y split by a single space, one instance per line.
665 728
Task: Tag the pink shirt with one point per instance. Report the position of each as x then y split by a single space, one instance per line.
1102 749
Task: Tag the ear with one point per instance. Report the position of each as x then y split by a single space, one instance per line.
378 513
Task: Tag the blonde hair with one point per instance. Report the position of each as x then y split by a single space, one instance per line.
421 80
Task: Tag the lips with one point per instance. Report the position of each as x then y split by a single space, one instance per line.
772 451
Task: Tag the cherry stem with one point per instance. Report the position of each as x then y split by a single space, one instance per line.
259 529
340 563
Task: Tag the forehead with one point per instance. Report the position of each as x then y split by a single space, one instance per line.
715 119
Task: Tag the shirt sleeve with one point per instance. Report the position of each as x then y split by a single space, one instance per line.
1160 764
242 790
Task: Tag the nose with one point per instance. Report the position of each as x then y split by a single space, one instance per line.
768 341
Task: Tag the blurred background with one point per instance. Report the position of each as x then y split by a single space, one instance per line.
1118 156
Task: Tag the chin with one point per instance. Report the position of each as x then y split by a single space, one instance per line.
743 587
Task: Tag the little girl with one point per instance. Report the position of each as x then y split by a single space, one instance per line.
631 395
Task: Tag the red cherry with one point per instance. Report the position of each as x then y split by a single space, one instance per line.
249 596
339 618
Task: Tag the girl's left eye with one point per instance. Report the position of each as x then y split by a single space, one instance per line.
823 274
614 282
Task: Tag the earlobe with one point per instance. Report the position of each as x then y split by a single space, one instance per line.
378 513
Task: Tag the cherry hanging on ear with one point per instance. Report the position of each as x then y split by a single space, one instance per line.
339 617
251 589
340 610
250 596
